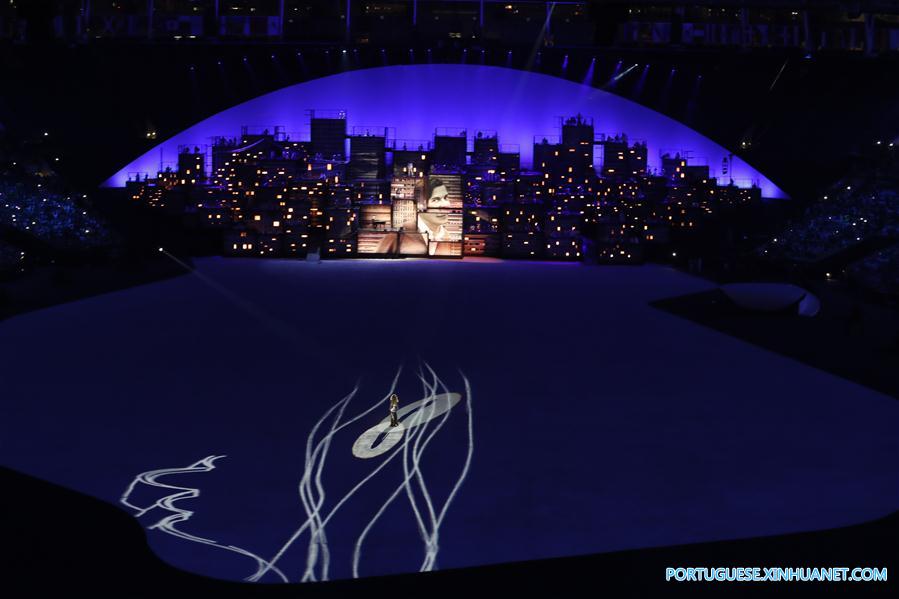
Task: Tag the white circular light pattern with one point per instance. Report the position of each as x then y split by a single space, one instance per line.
382 437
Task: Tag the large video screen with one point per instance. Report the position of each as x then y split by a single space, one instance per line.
423 218
383 243
441 226
407 188
413 243
444 191
404 214
376 217
440 215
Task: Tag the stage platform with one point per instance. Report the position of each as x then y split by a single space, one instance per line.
221 409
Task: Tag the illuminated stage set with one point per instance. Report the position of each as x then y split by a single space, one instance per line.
240 411
484 161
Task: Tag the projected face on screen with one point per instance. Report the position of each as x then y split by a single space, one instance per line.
443 230
444 190
433 224
439 195
440 215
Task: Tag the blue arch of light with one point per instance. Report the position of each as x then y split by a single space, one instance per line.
416 99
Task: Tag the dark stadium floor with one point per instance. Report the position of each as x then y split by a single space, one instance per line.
588 420
92 548
866 351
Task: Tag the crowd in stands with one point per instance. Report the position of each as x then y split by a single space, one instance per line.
846 216
12 259
878 271
55 219
853 227
38 218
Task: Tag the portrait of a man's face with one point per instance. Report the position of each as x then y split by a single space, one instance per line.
439 193
433 224
442 191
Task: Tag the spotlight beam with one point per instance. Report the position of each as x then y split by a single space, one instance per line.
617 77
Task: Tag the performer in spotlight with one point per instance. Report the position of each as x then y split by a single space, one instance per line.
394 405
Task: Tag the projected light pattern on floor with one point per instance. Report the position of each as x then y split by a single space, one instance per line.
603 423
413 430
517 105
177 514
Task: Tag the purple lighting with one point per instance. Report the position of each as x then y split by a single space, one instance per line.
641 82
518 105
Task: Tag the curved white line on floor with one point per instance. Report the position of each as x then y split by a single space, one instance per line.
296 535
318 555
167 524
431 540
429 537
416 417
416 473
464 474
317 539
357 550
